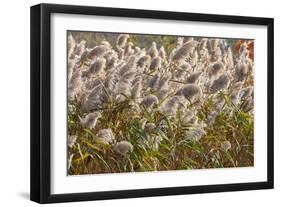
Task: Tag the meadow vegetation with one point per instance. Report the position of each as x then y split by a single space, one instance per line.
151 103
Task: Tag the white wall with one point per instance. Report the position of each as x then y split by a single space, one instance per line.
14 109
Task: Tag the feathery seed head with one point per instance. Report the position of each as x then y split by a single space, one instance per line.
184 50
97 51
190 91
122 40
71 140
195 134
220 83
144 61
193 77
149 101
155 63
162 53
215 69
105 136
90 120
123 147
225 146
97 66
153 82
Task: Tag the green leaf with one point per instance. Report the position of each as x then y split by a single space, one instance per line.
91 145
82 157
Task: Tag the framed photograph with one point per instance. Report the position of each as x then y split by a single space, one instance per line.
133 103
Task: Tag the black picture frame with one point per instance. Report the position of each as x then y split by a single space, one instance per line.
41 96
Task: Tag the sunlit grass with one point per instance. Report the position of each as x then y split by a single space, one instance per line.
198 131
173 153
